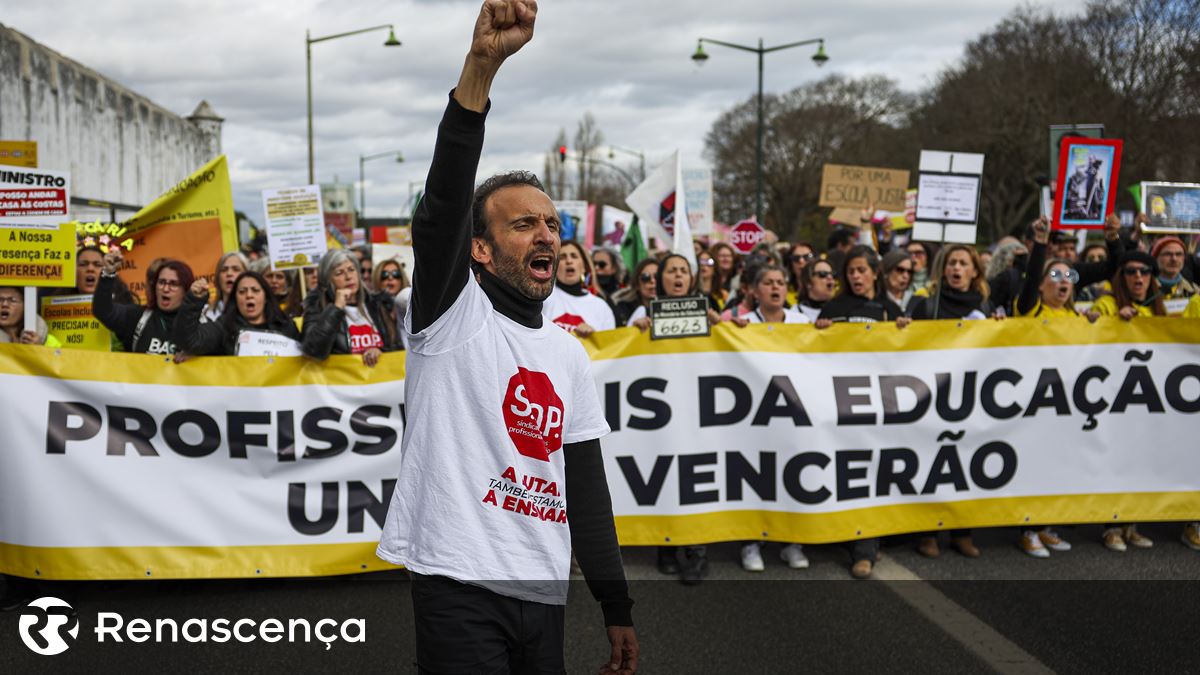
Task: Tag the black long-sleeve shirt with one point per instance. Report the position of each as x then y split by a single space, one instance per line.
441 233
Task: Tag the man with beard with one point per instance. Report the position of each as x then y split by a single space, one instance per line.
503 418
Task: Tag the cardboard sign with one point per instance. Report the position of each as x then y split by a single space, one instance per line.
19 153
1087 173
1171 207
258 343
295 226
37 255
856 187
70 319
678 317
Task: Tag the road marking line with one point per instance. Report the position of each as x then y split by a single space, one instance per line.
978 637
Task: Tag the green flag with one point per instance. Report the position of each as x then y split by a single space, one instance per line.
1136 191
633 249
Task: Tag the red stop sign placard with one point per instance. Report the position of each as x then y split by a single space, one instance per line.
746 235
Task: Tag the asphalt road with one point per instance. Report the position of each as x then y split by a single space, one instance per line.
1086 611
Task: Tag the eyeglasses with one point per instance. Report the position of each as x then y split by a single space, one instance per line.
9 300
823 274
600 265
168 283
903 270
644 278
1136 271
707 262
1064 275
391 274
801 257
917 253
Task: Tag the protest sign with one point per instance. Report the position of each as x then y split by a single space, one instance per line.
1087 171
259 343
37 255
779 432
70 320
678 317
613 224
34 196
1171 207
948 190
698 187
19 153
857 187
746 235
573 214
1059 131
295 226
193 221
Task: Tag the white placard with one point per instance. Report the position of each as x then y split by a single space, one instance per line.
948 198
295 226
34 197
698 187
258 343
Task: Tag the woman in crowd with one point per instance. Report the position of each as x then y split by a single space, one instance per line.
1135 289
799 256
610 272
819 285
341 318
728 264
251 308
12 321
706 283
896 273
640 291
770 296
285 291
860 300
229 268
920 253
957 290
392 291
575 304
310 281
143 330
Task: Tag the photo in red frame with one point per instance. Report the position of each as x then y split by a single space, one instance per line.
1087 175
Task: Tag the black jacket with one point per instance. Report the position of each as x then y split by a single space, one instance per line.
950 304
215 338
326 331
156 335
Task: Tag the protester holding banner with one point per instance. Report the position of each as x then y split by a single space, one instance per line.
340 317
769 291
860 298
250 309
1054 293
229 268
896 274
957 290
12 320
1170 254
674 280
1135 290
799 255
643 286
143 330
819 285
575 304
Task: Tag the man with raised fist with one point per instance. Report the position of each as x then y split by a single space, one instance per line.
501 473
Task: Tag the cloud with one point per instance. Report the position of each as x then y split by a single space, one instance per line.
626 61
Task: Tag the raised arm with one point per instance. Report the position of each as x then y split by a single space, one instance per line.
441 226
1031 284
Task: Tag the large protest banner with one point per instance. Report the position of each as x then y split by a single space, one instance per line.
193 221
121 466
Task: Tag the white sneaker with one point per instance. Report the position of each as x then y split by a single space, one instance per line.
752 557
1052 541
1032 544
793 555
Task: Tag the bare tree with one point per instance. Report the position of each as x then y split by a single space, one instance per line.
588 139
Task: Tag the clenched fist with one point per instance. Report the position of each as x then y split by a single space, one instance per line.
200 288
503 27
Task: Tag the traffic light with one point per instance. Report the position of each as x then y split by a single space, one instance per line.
562 153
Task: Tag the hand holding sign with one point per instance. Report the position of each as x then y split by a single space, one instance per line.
1041 230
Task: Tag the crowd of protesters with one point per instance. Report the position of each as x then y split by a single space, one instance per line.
863 274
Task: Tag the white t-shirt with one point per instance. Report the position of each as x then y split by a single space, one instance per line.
568 311
810 312
790 315
481 493
638 313
363 333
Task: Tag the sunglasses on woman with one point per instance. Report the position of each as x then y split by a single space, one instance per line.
823 274
391 274
1064 275
645 278
1137 271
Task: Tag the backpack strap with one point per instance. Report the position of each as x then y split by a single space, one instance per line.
141 326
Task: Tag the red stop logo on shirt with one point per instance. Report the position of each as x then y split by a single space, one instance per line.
364 337
533 414
568 322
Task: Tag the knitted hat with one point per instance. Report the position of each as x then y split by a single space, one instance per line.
1140 257
1163 243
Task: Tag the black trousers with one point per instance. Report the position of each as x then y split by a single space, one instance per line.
468 630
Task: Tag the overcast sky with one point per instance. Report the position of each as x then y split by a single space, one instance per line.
626 61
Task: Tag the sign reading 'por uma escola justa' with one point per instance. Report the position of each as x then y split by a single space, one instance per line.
858 187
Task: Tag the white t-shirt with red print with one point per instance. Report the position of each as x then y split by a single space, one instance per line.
363 334
568 311
481 493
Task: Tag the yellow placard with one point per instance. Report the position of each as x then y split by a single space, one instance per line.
37 256
19 153
70 319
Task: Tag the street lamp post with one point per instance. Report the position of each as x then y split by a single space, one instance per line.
362 181
309 41
819 58
595 160
612 154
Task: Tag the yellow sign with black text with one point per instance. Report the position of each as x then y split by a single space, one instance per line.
37 256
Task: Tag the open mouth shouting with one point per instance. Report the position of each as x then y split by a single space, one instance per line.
541 266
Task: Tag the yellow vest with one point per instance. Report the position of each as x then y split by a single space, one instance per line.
1107 306
1040 310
